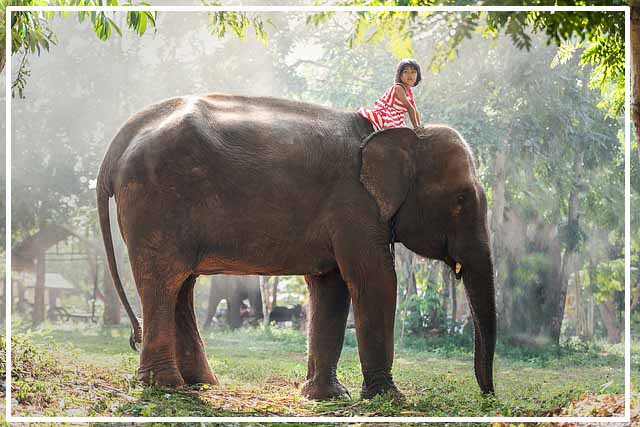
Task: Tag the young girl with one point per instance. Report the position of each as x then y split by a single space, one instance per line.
389 110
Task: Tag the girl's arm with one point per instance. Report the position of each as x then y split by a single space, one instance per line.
413 113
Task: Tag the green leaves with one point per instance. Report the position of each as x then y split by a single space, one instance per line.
609 279
572 235
237 22
606 55
601 32
101 26
30 33
138 21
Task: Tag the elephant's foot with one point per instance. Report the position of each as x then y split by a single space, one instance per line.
199 376
163 377
321 391
380 386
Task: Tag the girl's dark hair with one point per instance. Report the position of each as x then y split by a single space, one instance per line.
408 62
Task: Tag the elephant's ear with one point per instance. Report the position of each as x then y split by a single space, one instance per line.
388 167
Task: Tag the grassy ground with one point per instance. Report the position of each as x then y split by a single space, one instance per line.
90 371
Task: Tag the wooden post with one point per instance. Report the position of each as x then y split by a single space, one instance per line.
38 293
53 297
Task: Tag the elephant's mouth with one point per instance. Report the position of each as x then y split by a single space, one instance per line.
455 266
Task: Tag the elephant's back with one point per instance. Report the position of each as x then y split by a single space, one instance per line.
281 133
223 136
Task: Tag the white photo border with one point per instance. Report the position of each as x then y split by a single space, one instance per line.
627 212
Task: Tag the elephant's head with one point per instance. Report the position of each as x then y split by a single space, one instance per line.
427 188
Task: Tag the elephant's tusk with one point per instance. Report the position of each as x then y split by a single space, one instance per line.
458 267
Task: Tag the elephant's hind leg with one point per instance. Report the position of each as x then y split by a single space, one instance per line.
190 354
328 310
158 293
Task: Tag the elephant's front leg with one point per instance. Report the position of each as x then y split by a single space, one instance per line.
190 353
370 274
328 311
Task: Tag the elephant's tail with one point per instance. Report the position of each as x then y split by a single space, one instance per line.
103 195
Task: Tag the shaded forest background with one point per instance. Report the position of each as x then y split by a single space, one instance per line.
549 157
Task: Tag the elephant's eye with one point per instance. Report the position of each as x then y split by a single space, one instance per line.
460 199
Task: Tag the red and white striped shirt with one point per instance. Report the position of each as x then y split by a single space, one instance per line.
388 111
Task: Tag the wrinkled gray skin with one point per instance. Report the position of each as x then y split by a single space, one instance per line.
234 185
234 290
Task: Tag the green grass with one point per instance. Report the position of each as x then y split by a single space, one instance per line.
89 370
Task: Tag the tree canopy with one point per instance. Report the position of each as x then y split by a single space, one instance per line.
598 35
31 33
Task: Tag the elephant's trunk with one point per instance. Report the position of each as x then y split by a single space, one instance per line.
479 284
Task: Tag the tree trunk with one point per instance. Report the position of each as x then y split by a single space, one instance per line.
505 315
584 324
264 290
454 302
592 282
496 227
590 315
635 67
234 304
412 286
579 308
445 303
407 266
497 209
38 295
557 296
609 318
274 290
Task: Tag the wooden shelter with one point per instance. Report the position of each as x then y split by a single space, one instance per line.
30 255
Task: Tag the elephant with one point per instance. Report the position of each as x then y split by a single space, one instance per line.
225 184
234 289
286 314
